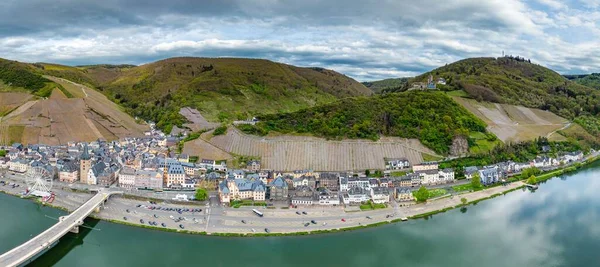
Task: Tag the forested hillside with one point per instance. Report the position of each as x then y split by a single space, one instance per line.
387 85
432 117
16 76
224 89
517 81
589 80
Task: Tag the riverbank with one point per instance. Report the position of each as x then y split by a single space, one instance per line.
220 221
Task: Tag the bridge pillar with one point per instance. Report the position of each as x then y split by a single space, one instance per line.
75 229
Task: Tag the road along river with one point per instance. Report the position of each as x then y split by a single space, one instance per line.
553 226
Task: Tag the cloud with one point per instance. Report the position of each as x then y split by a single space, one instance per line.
365 39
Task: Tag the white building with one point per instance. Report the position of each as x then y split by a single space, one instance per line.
328 198
127 177
425 166
429 176
380 195
356 195
446 175
18 165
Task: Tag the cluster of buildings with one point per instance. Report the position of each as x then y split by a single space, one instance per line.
146 163
306 187
140 163
431 84
498 172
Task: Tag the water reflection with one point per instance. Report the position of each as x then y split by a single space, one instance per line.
554 226
67 243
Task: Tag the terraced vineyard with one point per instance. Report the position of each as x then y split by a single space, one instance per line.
512 123
286 153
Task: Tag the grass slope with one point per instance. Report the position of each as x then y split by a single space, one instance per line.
224 88
433 118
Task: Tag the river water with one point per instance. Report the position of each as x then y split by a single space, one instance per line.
557 225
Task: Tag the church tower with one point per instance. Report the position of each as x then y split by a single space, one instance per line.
85 163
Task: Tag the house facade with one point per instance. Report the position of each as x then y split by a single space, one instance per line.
278 189
380 195
69 172
425 166
397 164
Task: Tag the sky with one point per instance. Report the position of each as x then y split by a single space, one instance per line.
364 39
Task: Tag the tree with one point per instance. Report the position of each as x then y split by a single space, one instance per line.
220 130
463 201
2 153
201 194
422 194
532 180
475 182
367 172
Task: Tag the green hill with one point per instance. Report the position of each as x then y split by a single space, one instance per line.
387 85
517 81
224 89
17 76
589 80
433 118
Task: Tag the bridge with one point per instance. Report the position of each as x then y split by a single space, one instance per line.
41 243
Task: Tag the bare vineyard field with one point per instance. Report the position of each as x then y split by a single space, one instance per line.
515 123
197 121
203 149
9 101
58 119
287 153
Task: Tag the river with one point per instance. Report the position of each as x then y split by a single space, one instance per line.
557 225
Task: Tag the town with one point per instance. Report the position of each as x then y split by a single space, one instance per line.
149 165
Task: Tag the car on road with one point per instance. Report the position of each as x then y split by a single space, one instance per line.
369 217
244 221
163 225
343 220
313 221
267 230
324 223
141 220
387 216
297 212
304 212
306 224
155 216
181 226
254 231
125 218
127 210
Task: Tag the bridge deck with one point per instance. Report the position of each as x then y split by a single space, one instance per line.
28 250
